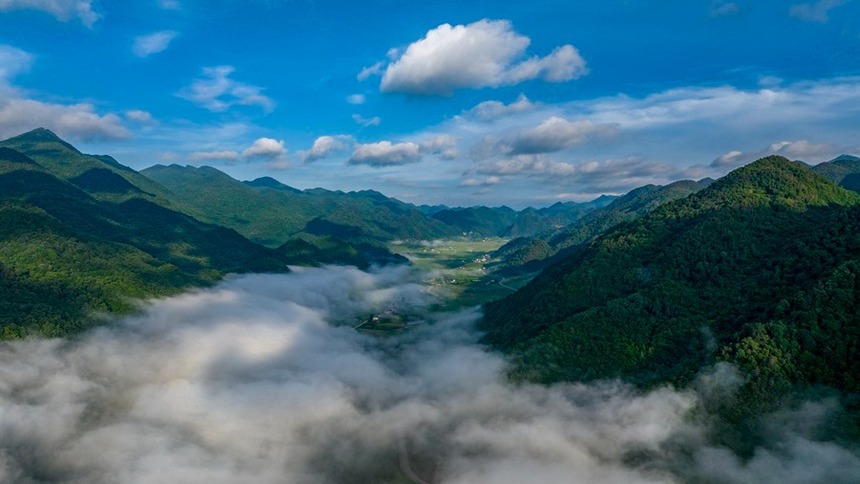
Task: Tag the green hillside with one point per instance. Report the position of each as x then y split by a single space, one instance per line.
65 254
838 169
532 254
759 269
271 213
101 176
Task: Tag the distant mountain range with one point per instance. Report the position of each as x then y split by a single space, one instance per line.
81 234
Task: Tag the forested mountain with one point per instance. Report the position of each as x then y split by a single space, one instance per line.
82 234
506 222
65 253
531 254
270 213
761 269
843 171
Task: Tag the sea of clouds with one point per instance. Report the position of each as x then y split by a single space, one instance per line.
262 379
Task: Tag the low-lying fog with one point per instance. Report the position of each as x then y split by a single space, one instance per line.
262 380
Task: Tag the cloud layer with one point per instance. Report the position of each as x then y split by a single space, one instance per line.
262 379
486 53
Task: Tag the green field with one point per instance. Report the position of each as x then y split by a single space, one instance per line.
457 270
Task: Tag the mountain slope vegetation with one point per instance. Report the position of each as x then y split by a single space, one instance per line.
66 253
760 269
270 213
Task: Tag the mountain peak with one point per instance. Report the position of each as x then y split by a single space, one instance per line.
269 182
36 139
774 180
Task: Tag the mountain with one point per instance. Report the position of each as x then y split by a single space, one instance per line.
100 176
506 222
270 212
65 254
524 254
842 170
761 269
480 221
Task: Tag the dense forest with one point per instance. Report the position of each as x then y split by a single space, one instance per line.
760 269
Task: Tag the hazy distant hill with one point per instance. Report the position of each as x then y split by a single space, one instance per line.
761 269
842 170
531 254
506 222
270 212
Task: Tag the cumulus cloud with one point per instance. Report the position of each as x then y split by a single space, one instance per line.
486 53
384 153
443 145
142 118
266 148
63 10
324 146
490 110
218 92
262 379
556 134
814 12
76 121
19 114
146 45
366 122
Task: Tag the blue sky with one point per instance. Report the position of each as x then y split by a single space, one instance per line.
462 103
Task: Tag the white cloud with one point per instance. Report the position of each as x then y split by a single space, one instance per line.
384 153
731 159
593 176
720 8
491 110
140 117
146 45
443 145
266 148
556 134
76 121
13 61
19 114
356 99
374 70
169 4
814 12
224 155
796 150
800 149
63 10
486 53
366 122
324 146
480 182
218 93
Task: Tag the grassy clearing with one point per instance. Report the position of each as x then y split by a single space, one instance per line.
457 270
